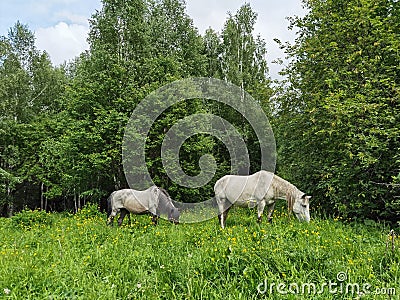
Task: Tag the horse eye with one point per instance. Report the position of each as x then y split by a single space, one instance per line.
304 205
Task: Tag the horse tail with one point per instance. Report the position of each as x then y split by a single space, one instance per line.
109 204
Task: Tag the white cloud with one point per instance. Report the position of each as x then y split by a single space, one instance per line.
211 13
73 18
62 41
67 38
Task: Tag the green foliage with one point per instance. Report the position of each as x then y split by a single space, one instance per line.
28 219
136 47
29 98
83 258
338 119
90 210
63 127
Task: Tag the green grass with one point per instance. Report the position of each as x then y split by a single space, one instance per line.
60 256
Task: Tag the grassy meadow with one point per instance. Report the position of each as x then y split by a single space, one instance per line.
64 256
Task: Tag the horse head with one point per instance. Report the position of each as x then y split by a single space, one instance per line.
301 208
173 215
166 206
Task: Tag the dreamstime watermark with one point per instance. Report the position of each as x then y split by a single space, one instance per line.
165 99
338 286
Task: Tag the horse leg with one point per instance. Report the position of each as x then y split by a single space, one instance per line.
222 211
270 212
122 216
113 213
224 216
154 219
221 219
129 217
260 210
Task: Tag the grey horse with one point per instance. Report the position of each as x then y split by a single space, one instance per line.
259 189
154 201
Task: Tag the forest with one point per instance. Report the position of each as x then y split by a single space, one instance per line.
335 113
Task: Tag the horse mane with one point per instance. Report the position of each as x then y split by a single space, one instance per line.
283 187
165 201
165 193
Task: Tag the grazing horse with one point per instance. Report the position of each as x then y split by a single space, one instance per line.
259 189
154 201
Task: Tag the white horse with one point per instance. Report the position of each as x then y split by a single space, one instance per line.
259 189
154 201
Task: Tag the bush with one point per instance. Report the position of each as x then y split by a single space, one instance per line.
27 218
90 210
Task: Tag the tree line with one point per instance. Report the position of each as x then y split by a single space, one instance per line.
335 115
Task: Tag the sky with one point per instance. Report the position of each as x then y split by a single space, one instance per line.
61 26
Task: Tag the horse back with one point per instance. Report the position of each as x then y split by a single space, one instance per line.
242 189
133 201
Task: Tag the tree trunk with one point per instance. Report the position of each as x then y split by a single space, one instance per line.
10 206
75 202
41 196
45 199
